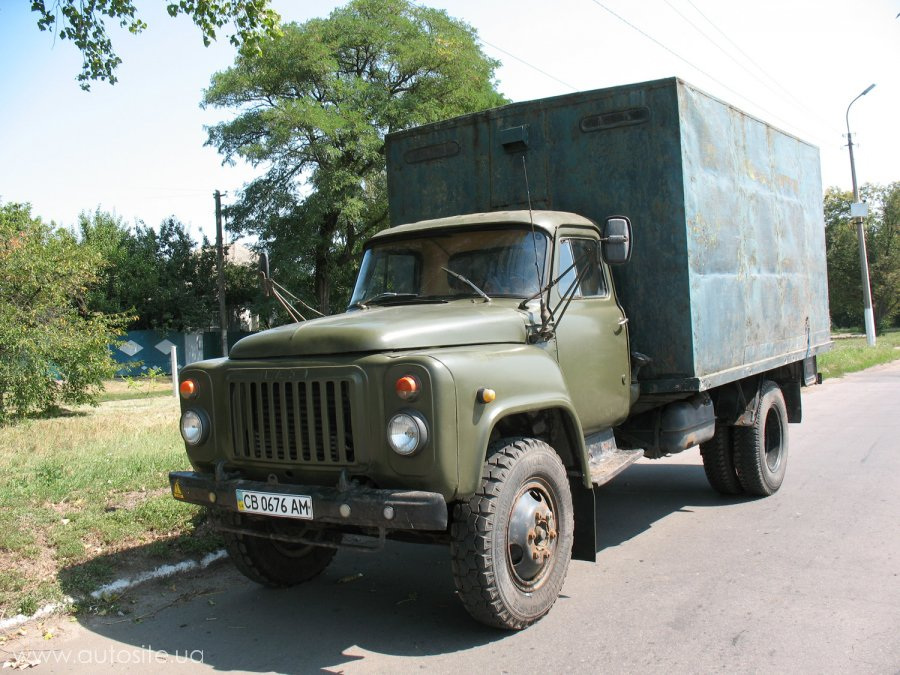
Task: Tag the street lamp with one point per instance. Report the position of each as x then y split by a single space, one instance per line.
857 211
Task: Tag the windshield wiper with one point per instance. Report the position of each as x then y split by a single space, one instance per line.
466 281
380 297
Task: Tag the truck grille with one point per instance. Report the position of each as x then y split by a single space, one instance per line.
300 422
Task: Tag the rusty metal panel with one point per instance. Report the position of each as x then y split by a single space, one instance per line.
727 276
756 240
432 171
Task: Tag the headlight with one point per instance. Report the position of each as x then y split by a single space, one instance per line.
406 433
194 427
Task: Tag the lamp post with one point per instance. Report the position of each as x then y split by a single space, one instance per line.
856 212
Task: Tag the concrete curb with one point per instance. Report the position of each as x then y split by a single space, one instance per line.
117 586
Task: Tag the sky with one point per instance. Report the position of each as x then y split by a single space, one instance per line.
137 148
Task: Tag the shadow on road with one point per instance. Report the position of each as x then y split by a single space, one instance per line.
648 492
400 602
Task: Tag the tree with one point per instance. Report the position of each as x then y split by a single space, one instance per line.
52 348
84 23
172 284
315 105
107 235
163 279
882 228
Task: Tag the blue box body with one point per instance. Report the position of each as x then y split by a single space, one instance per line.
728 274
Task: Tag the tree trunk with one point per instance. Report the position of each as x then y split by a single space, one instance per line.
323 287
322 274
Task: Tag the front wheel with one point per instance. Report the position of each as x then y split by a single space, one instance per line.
761 450
273 562
512 541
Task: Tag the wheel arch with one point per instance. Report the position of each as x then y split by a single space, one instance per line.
560 429
736 402
553 422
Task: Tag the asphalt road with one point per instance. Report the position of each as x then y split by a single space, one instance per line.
685 582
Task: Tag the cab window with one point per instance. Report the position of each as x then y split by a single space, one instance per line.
393 271
584 254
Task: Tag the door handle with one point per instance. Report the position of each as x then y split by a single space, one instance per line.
623 320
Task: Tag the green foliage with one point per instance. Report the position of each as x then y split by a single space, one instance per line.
147 382
850 355
107 235
53 349
314 106
882 228
84 23
162 278
170 283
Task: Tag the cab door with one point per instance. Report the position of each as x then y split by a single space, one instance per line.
591 335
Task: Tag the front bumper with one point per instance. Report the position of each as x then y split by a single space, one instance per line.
363 506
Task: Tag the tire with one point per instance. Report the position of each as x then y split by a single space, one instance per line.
277 564
718 462
511 542
761 450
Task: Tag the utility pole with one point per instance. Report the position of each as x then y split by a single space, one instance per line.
857 212
220 264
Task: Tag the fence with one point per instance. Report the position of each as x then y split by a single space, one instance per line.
142 350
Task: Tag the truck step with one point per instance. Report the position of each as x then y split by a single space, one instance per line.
607 460
612 464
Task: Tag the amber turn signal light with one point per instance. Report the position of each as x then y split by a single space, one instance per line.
187 389
486 395
407 388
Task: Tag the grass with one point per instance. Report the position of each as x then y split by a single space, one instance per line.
852 354
137 387
84 496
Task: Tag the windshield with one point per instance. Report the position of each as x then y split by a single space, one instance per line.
500 262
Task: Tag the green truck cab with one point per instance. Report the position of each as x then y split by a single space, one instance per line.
486 376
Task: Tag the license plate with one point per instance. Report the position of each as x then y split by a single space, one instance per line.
270 504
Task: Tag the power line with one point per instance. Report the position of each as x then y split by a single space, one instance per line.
765 73
678 56
660 44
711 41
523 61
519 59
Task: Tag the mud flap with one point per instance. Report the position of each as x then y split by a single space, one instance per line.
584 546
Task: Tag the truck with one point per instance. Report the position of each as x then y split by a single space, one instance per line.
569 285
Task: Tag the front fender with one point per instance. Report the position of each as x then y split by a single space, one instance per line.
526 378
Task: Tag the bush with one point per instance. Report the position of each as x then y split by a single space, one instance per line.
52 349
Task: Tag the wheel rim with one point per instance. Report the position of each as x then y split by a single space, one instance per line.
773 440
532 535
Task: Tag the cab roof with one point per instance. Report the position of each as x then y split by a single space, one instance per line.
548 221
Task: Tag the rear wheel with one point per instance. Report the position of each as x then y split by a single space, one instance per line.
512 541
718 461
277 563
761 450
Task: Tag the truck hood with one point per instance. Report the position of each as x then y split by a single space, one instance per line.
388 328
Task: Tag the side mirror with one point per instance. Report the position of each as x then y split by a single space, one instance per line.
616 240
